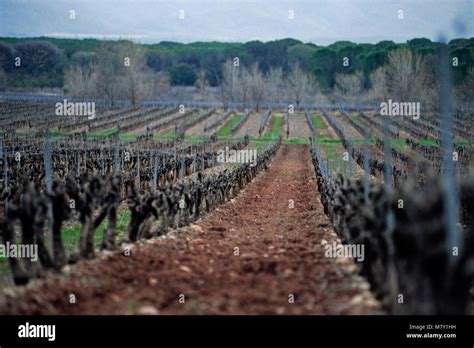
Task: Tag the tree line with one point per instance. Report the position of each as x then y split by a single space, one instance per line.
344 70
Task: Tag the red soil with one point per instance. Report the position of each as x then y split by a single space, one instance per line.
280 254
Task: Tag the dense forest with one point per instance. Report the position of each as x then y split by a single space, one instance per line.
44 60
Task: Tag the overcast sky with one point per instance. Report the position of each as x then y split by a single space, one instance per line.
317 21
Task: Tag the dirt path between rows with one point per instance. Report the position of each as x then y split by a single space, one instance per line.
280 258
299 128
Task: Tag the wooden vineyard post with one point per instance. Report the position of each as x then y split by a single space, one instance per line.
123 162
78 160
450 208
344 171
4 157
389 216
330 168
387 154
84 145
155 171
116 155
366 167
47 160
138 168
181 168
327 167
349 150
102 163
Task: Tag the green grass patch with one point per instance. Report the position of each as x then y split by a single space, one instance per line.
275 132
328 141
108 132
318 122
169 133
321 128
398 144
296 141
226 129
104 134
164 139
55 133
128 137
361 141
123 221
195 140
428 142
71 234
463 143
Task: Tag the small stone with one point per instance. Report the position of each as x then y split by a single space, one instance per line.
355 300
148 310
185 269
280 310
115 298
197 228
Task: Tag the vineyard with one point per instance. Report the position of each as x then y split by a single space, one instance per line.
298 173
141 196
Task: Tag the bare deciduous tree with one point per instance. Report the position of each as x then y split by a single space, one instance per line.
136 81
79 81
108 69
275 85
202 84
230 75
406 77
242 87
378 85
161 87
256 86
301 87
403 74
120 71
348 87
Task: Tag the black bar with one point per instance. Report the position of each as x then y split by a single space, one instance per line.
290 331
